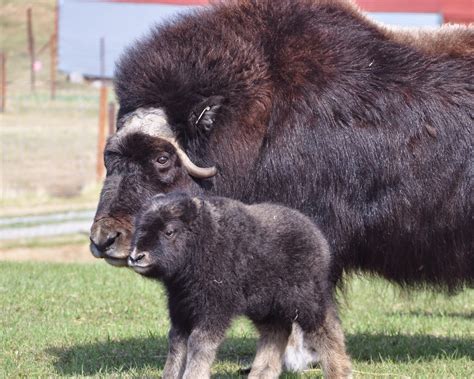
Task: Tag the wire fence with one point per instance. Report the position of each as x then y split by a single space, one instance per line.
49 148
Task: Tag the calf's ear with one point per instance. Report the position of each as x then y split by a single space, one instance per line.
204 114
190 209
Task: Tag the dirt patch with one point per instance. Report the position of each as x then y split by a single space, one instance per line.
67 253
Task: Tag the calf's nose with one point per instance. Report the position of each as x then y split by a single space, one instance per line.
135 258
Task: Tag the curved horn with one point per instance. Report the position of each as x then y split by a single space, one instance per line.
193 170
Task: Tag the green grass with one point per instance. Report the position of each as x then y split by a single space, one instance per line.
96 320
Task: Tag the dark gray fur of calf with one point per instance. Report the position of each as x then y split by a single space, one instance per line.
218 259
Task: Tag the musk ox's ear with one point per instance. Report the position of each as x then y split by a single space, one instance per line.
177 205
204 113
184 207
155 201
191 210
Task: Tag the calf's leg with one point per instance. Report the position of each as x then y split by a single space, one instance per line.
176 359
328 342
201 351
270 349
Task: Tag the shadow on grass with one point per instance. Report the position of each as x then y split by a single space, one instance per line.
136 354
406 348
467 316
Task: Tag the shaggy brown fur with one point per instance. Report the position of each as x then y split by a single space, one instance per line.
367 130
219 259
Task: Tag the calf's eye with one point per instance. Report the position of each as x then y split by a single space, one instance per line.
162 160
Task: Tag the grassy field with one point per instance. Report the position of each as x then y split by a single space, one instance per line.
96 320
13 38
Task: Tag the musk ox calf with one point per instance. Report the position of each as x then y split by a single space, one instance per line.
218 259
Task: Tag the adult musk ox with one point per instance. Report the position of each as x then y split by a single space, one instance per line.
309 104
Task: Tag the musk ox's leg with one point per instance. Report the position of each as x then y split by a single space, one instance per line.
201 351
270 349
176 359
297 356
328 342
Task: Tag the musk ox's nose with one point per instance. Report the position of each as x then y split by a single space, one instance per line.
110 240
100 243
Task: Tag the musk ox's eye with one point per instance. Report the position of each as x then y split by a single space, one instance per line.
163 159
169 233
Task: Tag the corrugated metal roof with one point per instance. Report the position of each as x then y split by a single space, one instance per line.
412 19
451 10
83 23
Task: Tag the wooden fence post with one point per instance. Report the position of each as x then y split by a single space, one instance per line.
31 48
3 80
111 118
52 49
102 114
101 134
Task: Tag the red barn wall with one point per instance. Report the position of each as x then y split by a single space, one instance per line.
460 11
175 2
